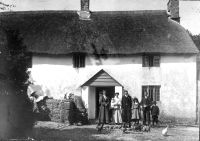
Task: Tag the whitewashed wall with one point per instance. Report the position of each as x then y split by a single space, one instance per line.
176 75
179 86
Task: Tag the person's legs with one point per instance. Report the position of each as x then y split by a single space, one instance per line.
124 117
101 127
144 117
114 118
156 119
129 118
148 117
153 120
106 117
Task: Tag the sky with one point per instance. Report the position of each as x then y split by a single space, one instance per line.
95 5
189 10
190 16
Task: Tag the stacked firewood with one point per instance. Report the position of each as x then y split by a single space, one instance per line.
54 107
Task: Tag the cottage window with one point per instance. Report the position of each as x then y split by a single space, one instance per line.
151 60
79 60
153 91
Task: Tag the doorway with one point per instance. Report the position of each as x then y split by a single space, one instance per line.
110 92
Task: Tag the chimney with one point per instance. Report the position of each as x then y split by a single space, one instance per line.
173 10
84 14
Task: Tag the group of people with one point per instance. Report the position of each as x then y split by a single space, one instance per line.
126 110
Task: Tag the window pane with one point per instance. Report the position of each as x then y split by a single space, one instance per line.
79 60
144 88
154 94
153 91
150 61
156 61
158 93
145 61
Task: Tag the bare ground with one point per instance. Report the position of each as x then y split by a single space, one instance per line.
50 131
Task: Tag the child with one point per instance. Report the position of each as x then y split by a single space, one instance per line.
154 113
135 111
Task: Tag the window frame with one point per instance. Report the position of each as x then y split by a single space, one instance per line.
151 60
78 60
153 91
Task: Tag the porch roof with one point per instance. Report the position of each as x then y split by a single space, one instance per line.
101 78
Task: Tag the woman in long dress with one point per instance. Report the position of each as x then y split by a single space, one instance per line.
117 109
103 110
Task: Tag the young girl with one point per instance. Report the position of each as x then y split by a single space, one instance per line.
135 110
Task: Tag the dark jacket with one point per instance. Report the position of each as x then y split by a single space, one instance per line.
155 110
126 108
146 103
103 110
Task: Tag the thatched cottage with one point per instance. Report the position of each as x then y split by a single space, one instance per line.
85 52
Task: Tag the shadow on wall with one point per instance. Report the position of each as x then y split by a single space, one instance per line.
91 59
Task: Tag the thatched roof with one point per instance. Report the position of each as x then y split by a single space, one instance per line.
117 32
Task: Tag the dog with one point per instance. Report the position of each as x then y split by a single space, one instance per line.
99 128
146 128
137 127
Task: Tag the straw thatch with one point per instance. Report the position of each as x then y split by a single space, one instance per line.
62 32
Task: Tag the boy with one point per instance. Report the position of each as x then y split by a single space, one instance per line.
154 113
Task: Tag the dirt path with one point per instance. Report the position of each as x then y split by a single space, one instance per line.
49 131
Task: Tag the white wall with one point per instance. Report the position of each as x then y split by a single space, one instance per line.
85 95
92 103
178 86
176 75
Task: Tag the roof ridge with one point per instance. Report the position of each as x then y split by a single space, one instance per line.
75 11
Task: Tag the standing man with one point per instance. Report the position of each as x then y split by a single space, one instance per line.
126 109
146 107
103 110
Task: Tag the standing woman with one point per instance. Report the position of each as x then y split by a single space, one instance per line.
135 110
117 109
103 110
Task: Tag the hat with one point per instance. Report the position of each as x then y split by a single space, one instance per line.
135 99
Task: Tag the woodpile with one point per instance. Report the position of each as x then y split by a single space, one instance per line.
68 111
54 107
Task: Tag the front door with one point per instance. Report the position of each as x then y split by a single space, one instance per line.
110 91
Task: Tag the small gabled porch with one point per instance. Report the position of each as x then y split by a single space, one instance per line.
91 88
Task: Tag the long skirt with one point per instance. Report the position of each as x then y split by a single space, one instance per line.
117 116
135 114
